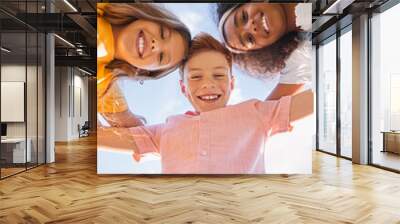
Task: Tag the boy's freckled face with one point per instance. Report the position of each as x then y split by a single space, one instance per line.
207 81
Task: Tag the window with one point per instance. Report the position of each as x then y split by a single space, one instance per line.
346 93
327 96
385 89
22 74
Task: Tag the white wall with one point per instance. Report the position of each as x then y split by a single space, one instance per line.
80 100
71 94
61 103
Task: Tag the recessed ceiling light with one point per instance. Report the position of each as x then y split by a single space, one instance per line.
70 5
337 7
64 40
84 71
5 50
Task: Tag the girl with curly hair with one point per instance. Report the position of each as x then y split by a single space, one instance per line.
269 39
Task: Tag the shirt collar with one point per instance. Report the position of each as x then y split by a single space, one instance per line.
192 113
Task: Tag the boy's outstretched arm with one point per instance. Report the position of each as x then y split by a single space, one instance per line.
302 105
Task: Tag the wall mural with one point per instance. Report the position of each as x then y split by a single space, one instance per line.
205 88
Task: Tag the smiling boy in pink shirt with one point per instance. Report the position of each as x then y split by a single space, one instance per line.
215 138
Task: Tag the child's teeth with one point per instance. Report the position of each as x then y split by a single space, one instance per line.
264 23
211 97
141 45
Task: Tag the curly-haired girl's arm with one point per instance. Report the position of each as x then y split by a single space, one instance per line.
282 90
302 105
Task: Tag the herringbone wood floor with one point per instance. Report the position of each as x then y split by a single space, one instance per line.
70 191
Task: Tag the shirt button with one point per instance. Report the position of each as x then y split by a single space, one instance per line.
203 153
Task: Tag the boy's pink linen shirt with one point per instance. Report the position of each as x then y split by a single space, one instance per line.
230 140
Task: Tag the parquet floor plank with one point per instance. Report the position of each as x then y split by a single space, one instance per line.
70 191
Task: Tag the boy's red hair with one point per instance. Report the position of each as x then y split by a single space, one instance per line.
205 42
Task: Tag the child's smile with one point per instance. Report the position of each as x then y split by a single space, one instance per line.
210 97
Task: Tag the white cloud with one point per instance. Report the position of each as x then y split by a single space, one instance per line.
195 16
236 96
169 108
192 20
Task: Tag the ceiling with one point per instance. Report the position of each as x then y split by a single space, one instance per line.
76 25
75 22
332 15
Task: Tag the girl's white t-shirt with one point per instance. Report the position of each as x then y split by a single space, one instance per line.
298 65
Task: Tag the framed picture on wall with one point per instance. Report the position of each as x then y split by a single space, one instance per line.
12 101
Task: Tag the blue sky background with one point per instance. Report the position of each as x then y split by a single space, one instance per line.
158 99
